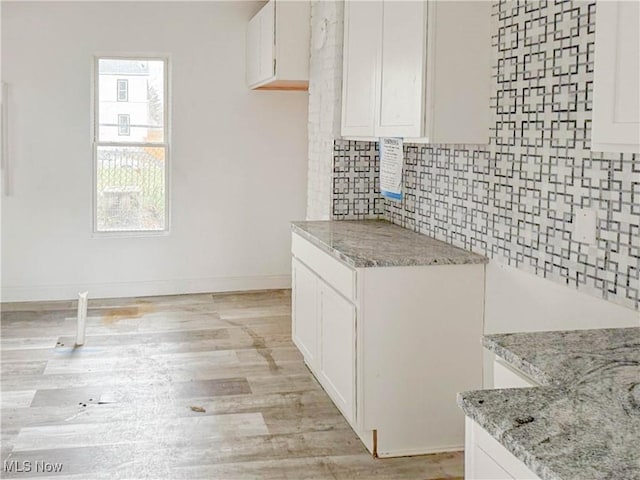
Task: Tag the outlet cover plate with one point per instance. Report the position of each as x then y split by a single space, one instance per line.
585 225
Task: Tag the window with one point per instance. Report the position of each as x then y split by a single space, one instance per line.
130 145
123 90
123 125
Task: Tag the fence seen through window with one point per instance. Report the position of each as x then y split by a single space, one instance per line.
130 145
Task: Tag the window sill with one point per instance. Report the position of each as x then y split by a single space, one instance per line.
131 234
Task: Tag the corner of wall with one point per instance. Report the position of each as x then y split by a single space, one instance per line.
325 100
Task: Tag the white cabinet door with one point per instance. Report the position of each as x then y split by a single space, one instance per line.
362 33
253 50
337 362
267 40
261 45
400 107
616 83
458 88
305 327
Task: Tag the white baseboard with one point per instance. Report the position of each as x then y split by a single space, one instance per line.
143 288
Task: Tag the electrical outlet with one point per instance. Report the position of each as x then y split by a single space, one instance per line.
584 226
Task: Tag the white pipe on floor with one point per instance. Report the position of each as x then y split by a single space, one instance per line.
81 326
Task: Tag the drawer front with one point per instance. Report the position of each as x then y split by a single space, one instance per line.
332 271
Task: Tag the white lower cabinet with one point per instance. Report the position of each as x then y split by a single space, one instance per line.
391 346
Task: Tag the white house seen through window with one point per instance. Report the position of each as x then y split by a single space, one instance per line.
130 145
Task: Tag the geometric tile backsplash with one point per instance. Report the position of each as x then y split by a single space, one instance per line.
515 198
356 181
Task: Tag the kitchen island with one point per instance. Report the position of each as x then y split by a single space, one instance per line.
582 422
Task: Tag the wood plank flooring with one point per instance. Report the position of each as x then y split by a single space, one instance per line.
192 386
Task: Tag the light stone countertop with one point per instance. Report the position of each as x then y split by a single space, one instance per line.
584 422
377 243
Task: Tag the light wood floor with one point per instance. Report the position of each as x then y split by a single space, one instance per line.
190 386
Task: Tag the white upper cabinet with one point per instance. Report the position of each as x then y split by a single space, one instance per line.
278 47
427 66
616 83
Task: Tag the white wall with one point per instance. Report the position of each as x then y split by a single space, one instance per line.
2 172
325 100
238 164
519 301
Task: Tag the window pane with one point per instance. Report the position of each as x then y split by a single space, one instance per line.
130 189
123 90
134 88
124 125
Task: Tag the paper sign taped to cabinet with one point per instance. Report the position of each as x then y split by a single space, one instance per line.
391 160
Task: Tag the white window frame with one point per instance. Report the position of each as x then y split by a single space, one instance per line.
95 111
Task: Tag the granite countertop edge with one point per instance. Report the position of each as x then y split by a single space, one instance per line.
357 261
327 248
